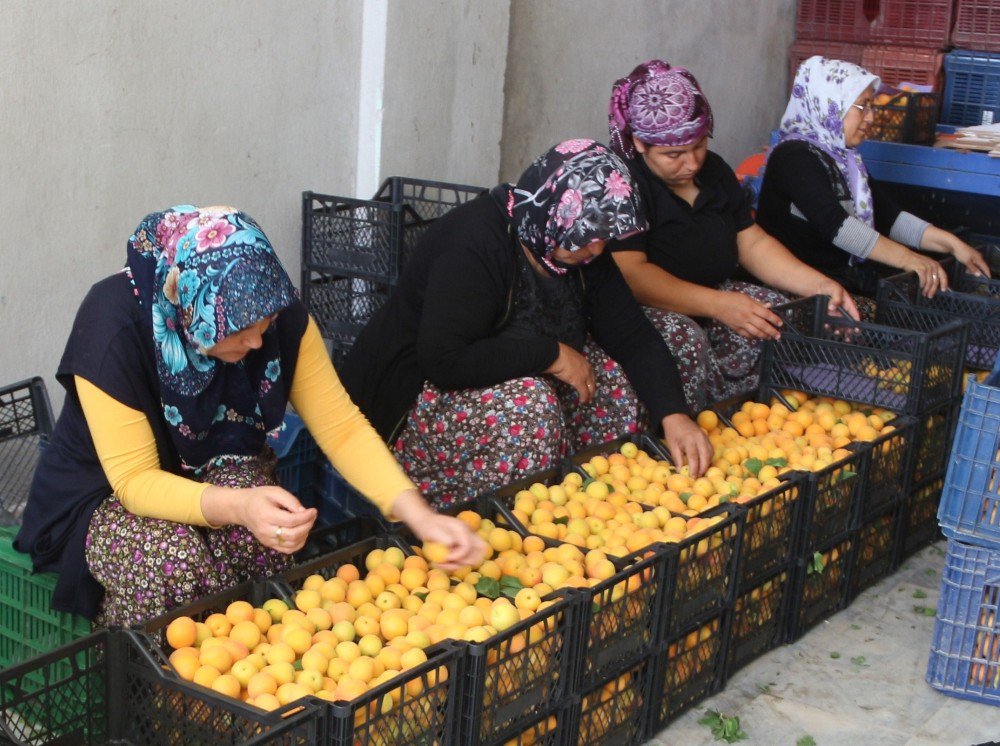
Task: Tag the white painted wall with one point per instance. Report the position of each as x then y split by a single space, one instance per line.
564 55
110 110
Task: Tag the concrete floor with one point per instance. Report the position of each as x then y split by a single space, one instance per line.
801 690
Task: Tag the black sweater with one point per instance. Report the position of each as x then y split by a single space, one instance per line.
444 323
801 174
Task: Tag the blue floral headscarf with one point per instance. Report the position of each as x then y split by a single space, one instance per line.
572 195
202 274
822 95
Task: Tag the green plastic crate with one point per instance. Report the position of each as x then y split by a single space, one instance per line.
28 625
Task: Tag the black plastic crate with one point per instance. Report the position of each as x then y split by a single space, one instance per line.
900 303
689 668
758 621
553 728
877 548
895 368
820 585
373 238
25 423
832 501
919 524
113 687
907 117
623 617
342 305
934 432
528 669
890 465
614 711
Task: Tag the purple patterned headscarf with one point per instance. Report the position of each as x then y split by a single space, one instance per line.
660 105
574 194
822 95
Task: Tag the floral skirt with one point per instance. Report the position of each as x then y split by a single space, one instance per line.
459 444
149 566
714 361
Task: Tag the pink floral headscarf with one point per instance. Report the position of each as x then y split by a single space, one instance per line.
574 194
660 105
822 95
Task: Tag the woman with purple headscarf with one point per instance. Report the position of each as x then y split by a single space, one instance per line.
512 338
817 199
701 233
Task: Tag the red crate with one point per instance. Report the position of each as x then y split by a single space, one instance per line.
836 20
917 23
802 50
977 25
896 65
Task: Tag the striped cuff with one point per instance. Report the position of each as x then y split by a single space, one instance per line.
908 229
856 238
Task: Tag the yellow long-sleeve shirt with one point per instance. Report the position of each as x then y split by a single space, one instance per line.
126 446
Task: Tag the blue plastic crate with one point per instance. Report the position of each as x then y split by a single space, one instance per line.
337 501
965 649
970 503
296 451
971 88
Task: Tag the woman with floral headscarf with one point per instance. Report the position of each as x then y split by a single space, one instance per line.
157 486
701 233
511 337
816 197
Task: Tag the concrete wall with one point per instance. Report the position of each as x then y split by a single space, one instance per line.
564 55
444 90
111 110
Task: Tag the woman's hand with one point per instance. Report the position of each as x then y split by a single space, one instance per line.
274 516
573 368
465 547
930 274
747 317
841 302
687 443
972 259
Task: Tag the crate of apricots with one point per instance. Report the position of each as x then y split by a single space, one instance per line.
852 460
615 711
518 652
332 639
624 597
116 686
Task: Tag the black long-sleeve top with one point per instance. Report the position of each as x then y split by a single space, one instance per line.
444 322
804 203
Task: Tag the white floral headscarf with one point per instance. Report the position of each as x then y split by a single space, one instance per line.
822 96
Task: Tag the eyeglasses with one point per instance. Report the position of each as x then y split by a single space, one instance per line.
864 109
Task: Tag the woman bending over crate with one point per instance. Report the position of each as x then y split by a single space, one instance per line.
512 337
817 199
157 486
684 269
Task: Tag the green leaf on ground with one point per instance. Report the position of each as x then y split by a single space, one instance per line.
858 660
925 610
834 655
764 688
919 594
855 626
806 741
930 571
724 727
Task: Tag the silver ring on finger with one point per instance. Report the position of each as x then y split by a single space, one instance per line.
277 533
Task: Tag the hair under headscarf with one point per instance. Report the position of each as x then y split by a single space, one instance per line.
822 95
660 105
574 194
200 275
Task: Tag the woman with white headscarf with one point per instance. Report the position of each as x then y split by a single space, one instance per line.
817 199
